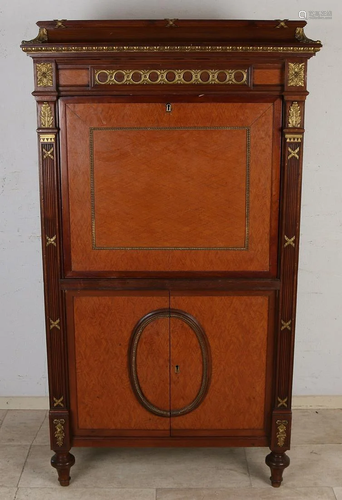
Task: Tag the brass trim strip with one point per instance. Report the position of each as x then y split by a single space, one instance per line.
172 48
47 138
293 137
92 187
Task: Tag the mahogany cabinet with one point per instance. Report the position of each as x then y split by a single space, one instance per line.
170 160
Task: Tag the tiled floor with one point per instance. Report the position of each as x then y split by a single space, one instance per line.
171 474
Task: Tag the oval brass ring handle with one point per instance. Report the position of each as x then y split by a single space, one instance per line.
205 351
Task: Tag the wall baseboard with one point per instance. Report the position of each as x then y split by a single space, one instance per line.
298 402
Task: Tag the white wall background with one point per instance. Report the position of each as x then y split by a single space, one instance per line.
319 325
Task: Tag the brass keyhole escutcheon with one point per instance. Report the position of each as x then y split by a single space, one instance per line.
177 369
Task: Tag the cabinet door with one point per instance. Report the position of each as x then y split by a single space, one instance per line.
238 330
100 326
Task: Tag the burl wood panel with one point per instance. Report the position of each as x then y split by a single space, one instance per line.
101 392
184 189
237 330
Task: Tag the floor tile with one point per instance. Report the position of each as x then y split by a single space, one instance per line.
21 426
43 436
2 415
70 493
7 493
142 468
338 493
12 459
311 466
246 494
317 427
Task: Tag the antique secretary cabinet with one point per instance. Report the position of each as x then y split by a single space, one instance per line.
170 174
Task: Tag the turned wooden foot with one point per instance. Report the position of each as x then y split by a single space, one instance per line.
63 461
277 462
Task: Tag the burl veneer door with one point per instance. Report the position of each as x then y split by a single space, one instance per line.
147 190
100 328
237 360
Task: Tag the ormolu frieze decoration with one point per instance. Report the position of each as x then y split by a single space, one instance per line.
286 325
59 23
47 137
301 36
44 75
40 38
293 137
282 402
171 23
55 324
170 76
289 241
296 75
294 115
173 48
281 432
58 401
293 153
46 118
59 430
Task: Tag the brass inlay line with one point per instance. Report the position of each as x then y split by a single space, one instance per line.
282 402
170 76
51 241
289 241
44 74
286 325
92 187
58 402
172 48
296 74
55 324
281 432
48 153
293 153
59 430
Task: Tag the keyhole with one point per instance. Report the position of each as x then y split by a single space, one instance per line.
168 108
177 369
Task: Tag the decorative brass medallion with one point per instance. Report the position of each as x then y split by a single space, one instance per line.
44 75
294 115
282 24
55 324
48 153
46 118
171 76
296 75
286 325
281 432
51 241
282 402
59 23
171 23
293 153
59 430
58 402
289 241
132 361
